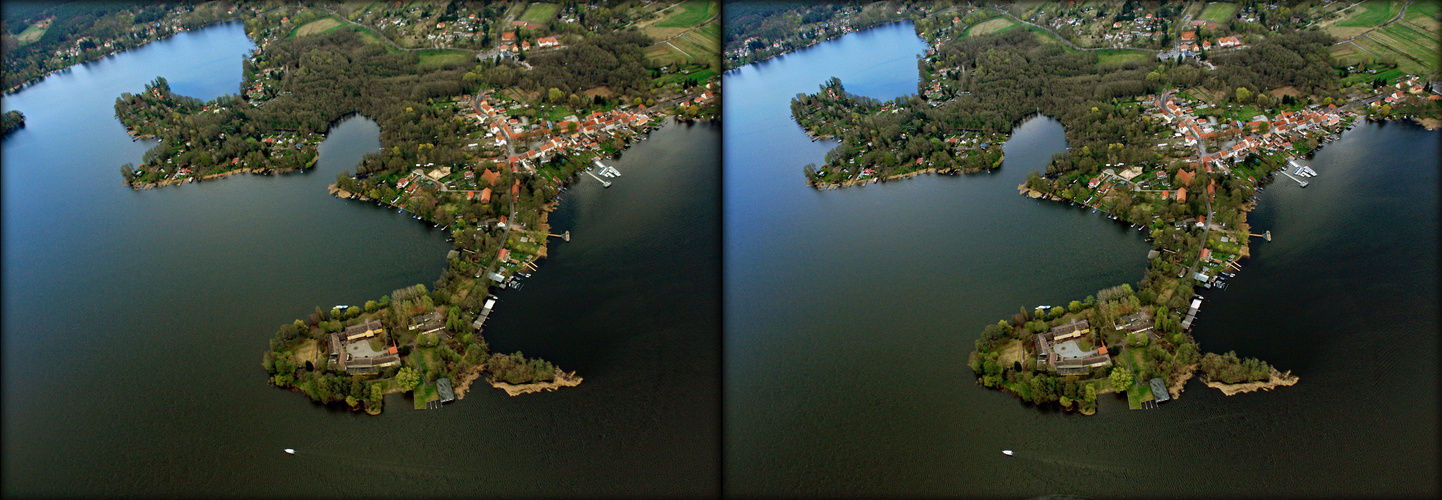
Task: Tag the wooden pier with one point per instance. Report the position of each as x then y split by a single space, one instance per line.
1299 181
603 182
565 236
1267 235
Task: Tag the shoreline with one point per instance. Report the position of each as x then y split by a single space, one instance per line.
826 186
1276 379
563 379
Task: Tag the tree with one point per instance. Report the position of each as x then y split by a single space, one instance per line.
1074 306
408 379
1243 94
1121 378
555 95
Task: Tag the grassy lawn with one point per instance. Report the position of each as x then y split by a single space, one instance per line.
1369 13
437 58
690 13
305 350
1219 12
994 25
1010 352
539 13
425 394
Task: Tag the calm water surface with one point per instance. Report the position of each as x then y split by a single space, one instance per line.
849 315
134 321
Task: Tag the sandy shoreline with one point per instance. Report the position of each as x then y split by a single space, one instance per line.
563 379
1176 388
1277 379
465 379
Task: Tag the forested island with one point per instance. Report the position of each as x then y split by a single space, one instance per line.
1174 143
479 140
11 121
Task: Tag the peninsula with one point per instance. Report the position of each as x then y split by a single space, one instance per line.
480 136
1173 127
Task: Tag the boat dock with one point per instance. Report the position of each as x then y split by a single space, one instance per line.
1299 181
604 183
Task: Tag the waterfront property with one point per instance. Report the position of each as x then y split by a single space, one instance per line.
1059 350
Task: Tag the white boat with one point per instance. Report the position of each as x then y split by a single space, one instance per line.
1007 453
292 451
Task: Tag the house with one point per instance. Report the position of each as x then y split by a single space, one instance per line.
490 176
1181 195
1189 36
505 252
546 42
1228 41
525 45
1072 330
1206 252
486 195
1184 177
508 36
363 330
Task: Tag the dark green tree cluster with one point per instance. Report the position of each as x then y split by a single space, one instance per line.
1229 369
12 120
516 369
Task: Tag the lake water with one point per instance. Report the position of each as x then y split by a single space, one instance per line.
850 313
134 321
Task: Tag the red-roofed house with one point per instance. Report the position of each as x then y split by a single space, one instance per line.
490 176
549 41
1189 36
1228 41
508 36
486 195
1183 177
1182 195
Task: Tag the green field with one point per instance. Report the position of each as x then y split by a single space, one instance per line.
993 25
1423 9
435 58
1369 13
1118 57
1219 12
539 13
31 34
322 25
690 13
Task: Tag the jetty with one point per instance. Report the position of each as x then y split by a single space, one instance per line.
1267 235
604 183
1299 181
565 236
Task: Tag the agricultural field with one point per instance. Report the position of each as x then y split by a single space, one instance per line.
1369 13
321 25
689 13
995 25
698 46
539 13
1218 12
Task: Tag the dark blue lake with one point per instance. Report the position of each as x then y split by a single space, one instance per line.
850 314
